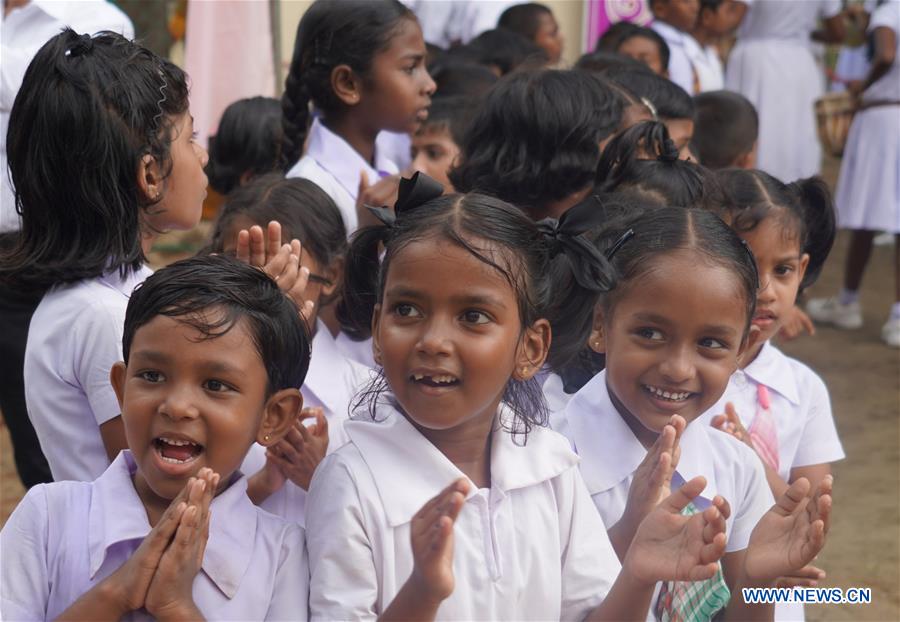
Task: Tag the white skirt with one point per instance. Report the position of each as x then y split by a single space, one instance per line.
868 188
781 78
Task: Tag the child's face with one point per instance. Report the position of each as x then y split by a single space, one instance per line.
681 131
434 153
449 336
183 191
682 14
644 50
720 21
397 93
671 342
781 266
549 37
190 402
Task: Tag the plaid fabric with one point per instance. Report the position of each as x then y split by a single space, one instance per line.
692 601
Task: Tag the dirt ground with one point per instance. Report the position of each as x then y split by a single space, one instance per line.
863 376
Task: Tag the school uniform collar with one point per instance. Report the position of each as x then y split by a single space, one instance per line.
774 370
118 515
610 452
125 285
327 375
669 32
335 155
391 445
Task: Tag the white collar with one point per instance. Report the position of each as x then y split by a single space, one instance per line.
335 155
774 370
125 285
610 452
331 375
391 445
117 515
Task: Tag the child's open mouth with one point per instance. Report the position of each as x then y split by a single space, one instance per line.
435 381
176 450
667 396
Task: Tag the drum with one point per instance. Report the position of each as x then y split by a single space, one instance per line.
834 114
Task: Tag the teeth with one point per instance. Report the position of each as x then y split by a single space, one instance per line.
443 379
174 460
668 395
177 443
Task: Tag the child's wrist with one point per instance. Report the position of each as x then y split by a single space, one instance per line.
115 596
633 581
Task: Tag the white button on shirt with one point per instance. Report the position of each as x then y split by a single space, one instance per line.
531 547
74 339
66 537
335 167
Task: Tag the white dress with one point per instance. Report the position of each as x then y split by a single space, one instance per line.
773 66
868 188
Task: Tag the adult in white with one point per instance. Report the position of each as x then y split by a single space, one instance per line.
773 66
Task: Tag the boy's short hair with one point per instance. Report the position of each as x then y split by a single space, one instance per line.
523 18
670 100
453 114
189 288
455 78
725 127
597 62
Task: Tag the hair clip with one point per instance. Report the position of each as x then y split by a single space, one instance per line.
618 244
650 107
162 100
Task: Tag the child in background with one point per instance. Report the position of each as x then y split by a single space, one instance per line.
536 23
502 51
247 143
673 330
726 129
435 145
674 20
537 138
213 356
100 168
454 78
717 19
645 45
598 62
361 63
453 457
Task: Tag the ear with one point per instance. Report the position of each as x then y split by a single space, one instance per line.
532 351
376 340
281 411
346 85
749 344
334 272
149 178
804 264
117 380
597 340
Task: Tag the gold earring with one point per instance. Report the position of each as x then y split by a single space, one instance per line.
266 438
524 370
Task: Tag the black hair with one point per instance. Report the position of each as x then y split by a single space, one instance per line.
89 109
710 5
501 49
502 237
536 138
670 100
453 114
612 36
332 33
643 162
725 128
248 140
805 207
195 290
456 78
600 61
303 209
652 35
523 19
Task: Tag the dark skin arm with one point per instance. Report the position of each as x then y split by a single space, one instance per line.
885 56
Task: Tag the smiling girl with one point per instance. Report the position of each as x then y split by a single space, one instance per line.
448 452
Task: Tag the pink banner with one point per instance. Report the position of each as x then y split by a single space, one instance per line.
601 14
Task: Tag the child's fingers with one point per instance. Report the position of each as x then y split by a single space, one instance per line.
712 552
679 499
722 504
298 287
793 498
715 523
806 322
257 247
301 433
719 422
242 246
273 238
461 485
290 451
160 536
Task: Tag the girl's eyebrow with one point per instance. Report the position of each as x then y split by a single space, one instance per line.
479 300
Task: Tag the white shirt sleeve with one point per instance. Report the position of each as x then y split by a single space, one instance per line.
343 578
290 592
23 548
96 347
819 442
589 563
755 500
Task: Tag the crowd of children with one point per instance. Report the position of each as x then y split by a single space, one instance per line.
473 337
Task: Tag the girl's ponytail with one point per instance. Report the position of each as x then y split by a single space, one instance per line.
294 112
361 282
817 209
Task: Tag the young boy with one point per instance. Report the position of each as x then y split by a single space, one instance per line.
717 18
435 146
214 355
726 130
536 23
674 20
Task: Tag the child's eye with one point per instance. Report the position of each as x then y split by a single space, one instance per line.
406 310
475 317
216 386
713 344
151 376
783 270
650 333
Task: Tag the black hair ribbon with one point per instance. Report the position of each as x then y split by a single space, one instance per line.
82 45
589 267
413 192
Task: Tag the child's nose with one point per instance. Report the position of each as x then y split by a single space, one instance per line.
430 86
179 405
435 338
766 293
203 155
678 366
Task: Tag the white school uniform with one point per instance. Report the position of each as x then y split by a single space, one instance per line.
359 351
709 68
773 66
74 338
800 406
555 395
331 383
529 548
335 167
22 33
610 454
682 47
868 187
64 538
